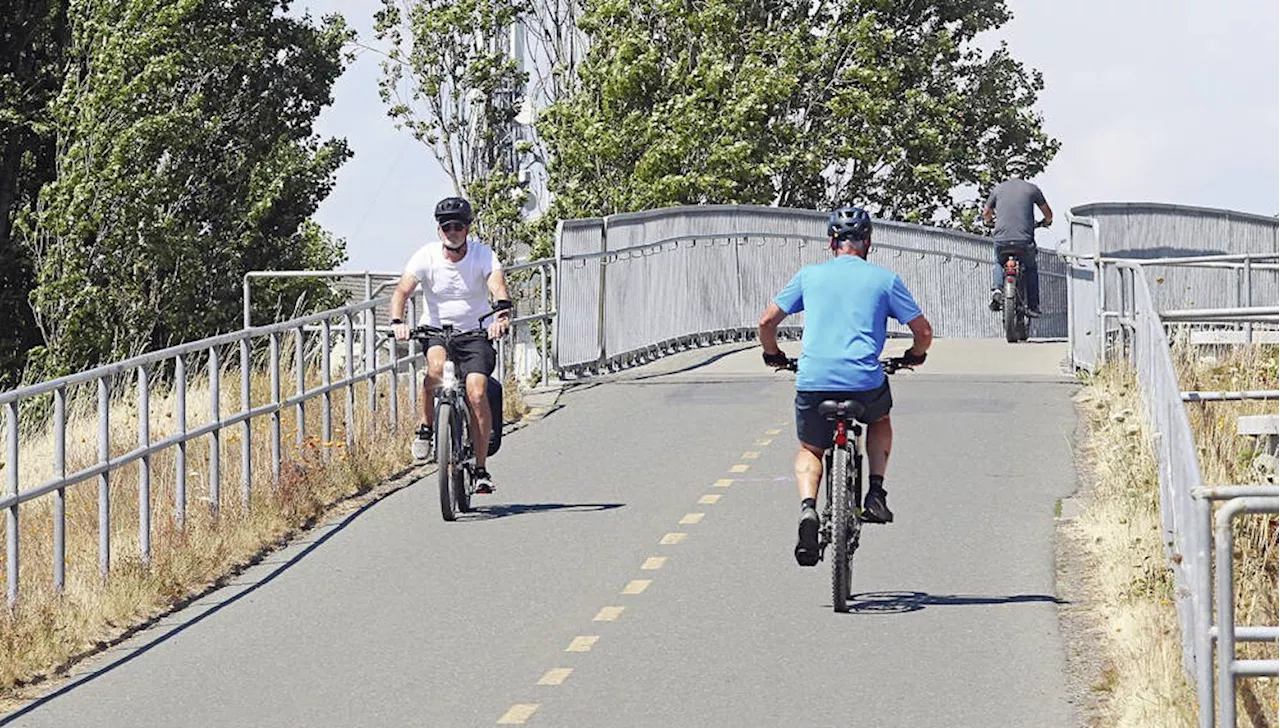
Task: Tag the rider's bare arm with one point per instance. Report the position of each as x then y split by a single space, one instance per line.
498 291
768 329
988 215
1047 212
399 297
922 332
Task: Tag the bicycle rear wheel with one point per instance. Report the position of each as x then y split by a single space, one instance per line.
446 469
1011 312
841 512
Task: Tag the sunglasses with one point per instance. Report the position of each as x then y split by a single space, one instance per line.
453 225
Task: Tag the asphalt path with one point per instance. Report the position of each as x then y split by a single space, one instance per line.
635 568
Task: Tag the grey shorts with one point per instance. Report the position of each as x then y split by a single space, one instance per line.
814 429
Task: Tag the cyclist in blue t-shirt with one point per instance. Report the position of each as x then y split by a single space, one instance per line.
847 303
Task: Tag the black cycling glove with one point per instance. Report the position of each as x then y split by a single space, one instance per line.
913 360
776 360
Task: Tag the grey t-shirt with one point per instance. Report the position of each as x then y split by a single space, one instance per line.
1014 201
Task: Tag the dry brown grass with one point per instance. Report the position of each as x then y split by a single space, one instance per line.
1143 682
1227 458
47 632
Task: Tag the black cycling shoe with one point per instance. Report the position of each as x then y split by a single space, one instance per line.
484 483
807 544
874 507
997 300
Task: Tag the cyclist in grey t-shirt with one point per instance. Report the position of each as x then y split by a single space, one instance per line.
1013 204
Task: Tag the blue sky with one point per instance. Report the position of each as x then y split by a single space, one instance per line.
1153 100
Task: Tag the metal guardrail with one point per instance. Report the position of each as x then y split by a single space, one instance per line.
1189 531
528 347
636 285
139 369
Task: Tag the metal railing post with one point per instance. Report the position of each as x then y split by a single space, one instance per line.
1223 543
1248 297
349 331
11 516
60 495
104 480
215 436
1203 601
393 406
144 466
246 428
247 317
326 378
370 352
180 414
300 363
274 365
414 384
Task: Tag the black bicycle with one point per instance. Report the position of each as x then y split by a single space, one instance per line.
455 453
841 516
1017 317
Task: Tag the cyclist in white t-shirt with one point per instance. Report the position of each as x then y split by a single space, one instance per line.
457 276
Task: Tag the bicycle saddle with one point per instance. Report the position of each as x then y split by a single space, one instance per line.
846 409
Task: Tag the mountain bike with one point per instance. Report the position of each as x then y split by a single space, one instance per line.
841 517
455 453
1017 319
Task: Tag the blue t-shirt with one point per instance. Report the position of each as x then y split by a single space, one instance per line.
847 303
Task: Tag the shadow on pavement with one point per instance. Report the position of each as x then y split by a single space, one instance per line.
484 513
187 621
898 602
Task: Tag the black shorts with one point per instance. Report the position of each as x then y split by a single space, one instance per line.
472 354
814 429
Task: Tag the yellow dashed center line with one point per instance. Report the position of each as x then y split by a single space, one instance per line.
672 538
740 468
608 614
751 455
556 676
708 499
518 714
636 586
773 432
583 643
763 441
653 563
690 518
723 483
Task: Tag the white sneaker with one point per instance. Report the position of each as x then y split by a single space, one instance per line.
423 446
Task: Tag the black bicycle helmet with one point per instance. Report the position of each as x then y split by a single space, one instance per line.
453 208
849 223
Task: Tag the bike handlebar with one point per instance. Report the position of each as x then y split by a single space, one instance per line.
890 364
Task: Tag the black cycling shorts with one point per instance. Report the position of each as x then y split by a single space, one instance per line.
472 354
814 429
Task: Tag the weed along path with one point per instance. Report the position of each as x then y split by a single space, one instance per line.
635 568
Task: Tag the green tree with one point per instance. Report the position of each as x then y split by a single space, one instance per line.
883 103
449 79
185 157
33 38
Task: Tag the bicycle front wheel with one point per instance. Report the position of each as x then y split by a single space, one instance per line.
463 477
841 514
446 469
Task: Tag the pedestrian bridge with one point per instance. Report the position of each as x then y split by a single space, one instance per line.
635 566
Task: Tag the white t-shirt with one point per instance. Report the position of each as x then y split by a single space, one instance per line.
456 294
